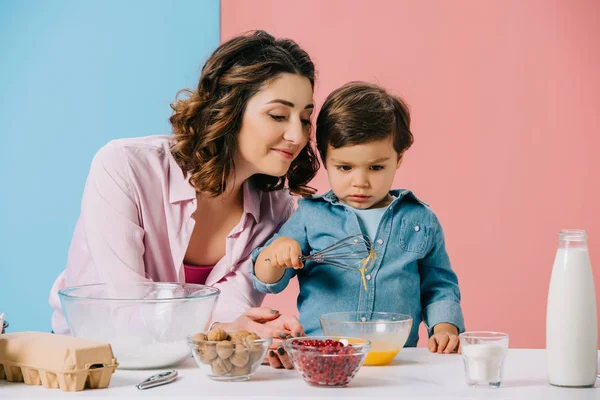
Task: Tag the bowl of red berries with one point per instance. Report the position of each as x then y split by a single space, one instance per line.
327 360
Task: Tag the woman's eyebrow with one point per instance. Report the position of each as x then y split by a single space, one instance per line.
290 104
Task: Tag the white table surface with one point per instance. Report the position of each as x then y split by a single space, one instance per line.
414 374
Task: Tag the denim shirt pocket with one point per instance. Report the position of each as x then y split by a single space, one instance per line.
414 235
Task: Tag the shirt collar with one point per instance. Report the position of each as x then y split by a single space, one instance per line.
179 185
397 193
252 199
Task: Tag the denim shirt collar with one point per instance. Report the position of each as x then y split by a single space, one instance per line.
330 197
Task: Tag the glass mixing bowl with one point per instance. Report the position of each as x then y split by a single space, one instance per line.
146 324
387 332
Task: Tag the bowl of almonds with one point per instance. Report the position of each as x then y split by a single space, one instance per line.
228 356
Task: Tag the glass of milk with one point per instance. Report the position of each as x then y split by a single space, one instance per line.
483 355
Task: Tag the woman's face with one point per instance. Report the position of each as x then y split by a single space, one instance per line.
275 126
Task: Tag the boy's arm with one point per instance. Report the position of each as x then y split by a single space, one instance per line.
440 295
445 327
268 279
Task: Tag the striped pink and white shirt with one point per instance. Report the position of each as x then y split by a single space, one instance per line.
136 222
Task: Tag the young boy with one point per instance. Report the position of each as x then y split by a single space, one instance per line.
362 134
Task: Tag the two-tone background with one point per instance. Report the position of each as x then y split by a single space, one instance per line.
505 101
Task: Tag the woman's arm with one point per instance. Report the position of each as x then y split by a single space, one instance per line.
111 222
238 286
107 244
237 294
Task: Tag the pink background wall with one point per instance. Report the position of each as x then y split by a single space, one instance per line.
505 99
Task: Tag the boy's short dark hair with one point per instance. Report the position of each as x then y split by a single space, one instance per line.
361 112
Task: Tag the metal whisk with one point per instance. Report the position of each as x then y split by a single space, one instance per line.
351 253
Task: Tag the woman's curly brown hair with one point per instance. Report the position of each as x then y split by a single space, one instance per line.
206 123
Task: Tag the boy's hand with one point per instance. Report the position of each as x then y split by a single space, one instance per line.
283 252
444 339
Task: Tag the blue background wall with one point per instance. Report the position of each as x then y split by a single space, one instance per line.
73 75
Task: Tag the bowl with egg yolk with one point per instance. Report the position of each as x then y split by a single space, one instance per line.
387 332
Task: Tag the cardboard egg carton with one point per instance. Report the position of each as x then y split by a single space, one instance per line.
56 361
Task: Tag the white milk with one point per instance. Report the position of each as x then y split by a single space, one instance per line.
483 362
571 321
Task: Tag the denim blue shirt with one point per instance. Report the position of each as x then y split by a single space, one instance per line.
411 275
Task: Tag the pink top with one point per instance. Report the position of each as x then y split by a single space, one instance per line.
135 225
197 273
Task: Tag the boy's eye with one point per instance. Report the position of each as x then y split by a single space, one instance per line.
377 167
306 122
344 167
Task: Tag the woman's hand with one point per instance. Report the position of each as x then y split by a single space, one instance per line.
277 357
268 322
289 326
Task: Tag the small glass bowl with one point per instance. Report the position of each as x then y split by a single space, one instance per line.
327 366
386 331
235 361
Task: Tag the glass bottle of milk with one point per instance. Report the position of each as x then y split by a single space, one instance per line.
571 319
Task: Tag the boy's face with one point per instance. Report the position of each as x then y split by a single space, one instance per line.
361 175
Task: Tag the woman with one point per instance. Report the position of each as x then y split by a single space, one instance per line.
192 206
